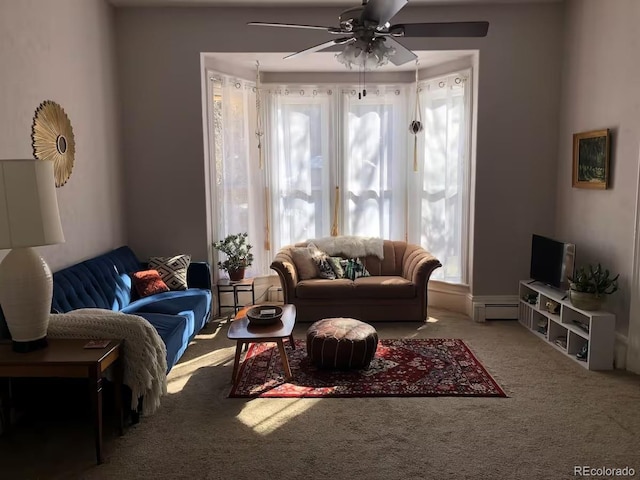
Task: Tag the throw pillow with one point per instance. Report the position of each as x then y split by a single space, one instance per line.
305 265
148 282
324 267
172 270
320 257
336 266
354 268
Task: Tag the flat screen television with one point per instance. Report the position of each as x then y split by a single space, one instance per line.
552 261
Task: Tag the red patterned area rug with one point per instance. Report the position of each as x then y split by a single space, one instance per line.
401 368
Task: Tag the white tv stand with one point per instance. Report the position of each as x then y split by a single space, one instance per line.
598 327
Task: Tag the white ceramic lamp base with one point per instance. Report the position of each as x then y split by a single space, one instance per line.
26 288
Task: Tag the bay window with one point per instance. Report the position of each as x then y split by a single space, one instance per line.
338 164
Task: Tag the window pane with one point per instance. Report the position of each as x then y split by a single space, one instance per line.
301 168
371 169
443 193
238 186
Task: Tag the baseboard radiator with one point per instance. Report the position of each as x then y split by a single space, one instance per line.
503 308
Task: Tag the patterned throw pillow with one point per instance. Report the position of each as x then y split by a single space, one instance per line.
321 259
172 270
326 271
148 282
335 263
354 268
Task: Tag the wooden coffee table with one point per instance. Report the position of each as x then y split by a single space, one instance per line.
244 333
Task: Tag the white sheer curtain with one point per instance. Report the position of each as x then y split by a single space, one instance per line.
440 188
373 163
239 187
321 138
299 157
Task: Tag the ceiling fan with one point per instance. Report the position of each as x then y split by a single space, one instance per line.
369 38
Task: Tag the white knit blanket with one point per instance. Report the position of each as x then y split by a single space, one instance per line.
144 354
350 246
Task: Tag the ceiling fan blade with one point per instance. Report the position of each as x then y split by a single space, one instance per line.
453 29
402 55
381 11
290 25
322 46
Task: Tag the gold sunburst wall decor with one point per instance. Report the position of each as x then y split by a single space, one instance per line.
52 139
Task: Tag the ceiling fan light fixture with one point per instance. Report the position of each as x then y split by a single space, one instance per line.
371 56
367 27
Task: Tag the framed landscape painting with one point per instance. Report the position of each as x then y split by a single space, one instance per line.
591 159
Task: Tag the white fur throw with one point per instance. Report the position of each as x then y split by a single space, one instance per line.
144 354
350 246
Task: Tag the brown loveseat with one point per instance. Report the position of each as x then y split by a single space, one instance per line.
396 289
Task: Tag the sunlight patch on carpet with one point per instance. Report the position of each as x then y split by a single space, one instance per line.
266 417
401 368
182 372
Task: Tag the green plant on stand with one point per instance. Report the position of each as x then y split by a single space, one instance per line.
238 252
588 287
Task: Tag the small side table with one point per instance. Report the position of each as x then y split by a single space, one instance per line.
67 358
227 286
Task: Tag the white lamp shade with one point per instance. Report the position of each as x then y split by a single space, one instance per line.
29 214
28 218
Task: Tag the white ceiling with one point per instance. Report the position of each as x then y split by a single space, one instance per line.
326 62
302 3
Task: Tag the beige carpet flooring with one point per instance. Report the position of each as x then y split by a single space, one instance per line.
558 415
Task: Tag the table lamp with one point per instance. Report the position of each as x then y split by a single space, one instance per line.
29 218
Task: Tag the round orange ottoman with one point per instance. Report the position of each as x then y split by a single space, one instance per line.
341 343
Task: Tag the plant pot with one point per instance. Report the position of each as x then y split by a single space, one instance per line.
236 275
585 301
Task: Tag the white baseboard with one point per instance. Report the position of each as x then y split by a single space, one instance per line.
493 307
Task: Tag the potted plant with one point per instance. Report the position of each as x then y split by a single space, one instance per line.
588 287
238 253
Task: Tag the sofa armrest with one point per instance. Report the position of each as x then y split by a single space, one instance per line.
199 275
418 265
286 270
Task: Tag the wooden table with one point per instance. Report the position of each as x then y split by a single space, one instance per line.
66 358
244 333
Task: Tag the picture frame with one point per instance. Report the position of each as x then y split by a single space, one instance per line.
591 159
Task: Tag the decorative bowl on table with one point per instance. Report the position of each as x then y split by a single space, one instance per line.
264 314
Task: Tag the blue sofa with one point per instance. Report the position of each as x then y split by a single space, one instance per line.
104 282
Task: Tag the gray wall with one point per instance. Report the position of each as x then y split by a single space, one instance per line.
64 51
601 89
520 60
